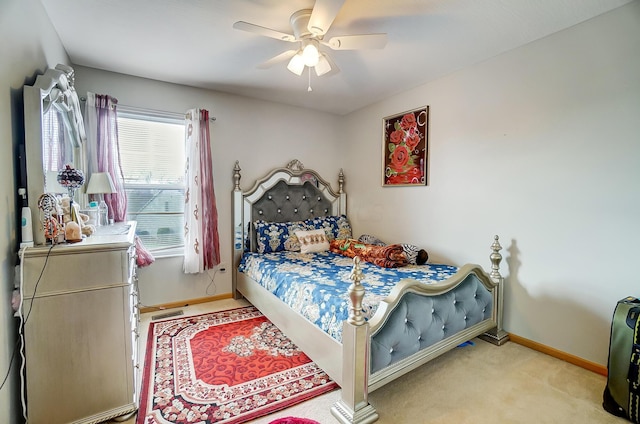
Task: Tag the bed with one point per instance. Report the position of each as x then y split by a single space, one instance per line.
377 334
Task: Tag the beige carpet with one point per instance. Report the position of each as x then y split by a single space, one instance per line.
479 384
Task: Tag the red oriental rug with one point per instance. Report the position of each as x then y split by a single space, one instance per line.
223 367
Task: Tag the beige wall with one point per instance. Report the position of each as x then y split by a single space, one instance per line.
29 46
539 145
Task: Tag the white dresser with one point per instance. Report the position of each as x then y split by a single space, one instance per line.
80 306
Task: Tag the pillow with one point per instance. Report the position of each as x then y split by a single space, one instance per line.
277 236
336 227
312 241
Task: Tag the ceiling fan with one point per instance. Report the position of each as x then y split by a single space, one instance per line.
309 28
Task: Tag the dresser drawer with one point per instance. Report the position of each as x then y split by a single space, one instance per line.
65 273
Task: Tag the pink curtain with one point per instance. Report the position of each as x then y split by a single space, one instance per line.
202 245
103 151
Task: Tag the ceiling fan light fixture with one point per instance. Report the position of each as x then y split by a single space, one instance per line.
310 55
309 28
323 66
296 64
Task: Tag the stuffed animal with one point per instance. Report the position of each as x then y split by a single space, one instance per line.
82 220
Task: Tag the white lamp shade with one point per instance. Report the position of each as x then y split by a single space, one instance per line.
310 55
323 66
100 183
296 64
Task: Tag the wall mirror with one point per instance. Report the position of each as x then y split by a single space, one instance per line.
54 137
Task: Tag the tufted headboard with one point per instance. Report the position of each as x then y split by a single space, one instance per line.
285 202
291 193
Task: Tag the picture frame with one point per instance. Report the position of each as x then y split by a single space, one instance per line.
405 148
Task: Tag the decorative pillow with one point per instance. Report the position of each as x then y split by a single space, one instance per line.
336 227
313 241
277 236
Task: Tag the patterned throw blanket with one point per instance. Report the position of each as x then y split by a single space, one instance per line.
389 256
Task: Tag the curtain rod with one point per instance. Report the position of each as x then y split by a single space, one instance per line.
150 111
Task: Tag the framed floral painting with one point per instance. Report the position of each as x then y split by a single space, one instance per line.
404 148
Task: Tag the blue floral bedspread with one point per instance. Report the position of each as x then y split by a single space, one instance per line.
315 284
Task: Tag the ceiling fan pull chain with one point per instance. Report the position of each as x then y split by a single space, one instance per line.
309 89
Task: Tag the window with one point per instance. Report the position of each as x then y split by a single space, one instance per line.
153 158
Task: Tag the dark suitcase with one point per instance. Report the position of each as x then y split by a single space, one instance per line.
622 394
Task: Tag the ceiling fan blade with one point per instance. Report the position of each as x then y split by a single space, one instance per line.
324 12
356 42
284 56
260 30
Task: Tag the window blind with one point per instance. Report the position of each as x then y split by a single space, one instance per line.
153 160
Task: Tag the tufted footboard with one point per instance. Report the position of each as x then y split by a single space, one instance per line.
413 325
418 322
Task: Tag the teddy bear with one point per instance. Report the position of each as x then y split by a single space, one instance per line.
73 233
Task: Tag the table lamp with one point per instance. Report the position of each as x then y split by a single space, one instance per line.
101 183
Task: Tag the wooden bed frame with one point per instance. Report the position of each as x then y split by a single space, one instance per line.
348 363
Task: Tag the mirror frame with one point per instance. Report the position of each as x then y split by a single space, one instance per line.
61 78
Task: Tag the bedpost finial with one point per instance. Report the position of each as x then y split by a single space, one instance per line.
295 165
496 258
340 182
236 176
356 294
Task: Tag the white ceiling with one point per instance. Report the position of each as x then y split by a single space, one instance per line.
192 42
